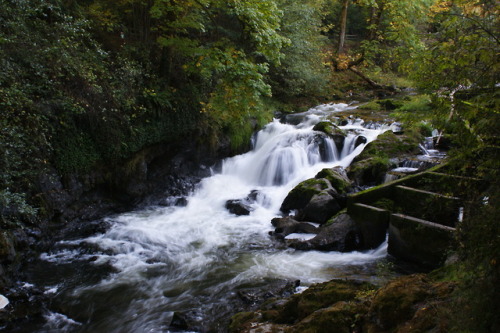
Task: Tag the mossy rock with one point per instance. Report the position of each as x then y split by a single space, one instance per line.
435 316
329 129
390 145
337 179
342 317
390 104
241 321
395 303
383 105
300 196
371 105
317 297
370 171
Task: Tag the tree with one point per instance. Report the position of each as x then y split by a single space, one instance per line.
343 24
461 60
391 35
302 72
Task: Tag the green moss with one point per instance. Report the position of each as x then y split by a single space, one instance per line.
342 316
370 170
302 193
319 296
393 304
382 104
241 320
371 105
390 145
328 128
332 219
338 182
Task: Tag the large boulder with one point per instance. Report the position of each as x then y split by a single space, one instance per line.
300 196
370 167
341 235
337 176
370 171
319 198
320 208
316 297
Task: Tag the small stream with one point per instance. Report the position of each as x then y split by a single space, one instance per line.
147 265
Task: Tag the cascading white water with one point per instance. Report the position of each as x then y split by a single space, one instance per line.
168 259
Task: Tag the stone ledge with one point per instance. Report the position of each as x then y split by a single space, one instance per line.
420 241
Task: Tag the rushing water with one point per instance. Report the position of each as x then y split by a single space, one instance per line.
151 263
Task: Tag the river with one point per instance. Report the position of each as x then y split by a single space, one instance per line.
151 263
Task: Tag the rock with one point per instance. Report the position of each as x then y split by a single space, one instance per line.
319 209
319 198
360 140
187 321
390 145
173 201
410 303
179 321
258 197
394 303
300 196
278 288
181 202
244 206
288 225
318 296
370 171
342 315
7 251
238 207
341 235
337 177
333 131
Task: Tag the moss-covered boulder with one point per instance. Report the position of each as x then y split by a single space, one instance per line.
412 303
388 104
317 297
370 171
390 145
320 208
319 198
398 300
337 177
333 131
328 128
370 167
300 196
243 321
342 317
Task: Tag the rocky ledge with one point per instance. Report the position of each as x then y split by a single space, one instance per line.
413 303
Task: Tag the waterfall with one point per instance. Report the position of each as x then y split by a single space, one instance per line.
167 259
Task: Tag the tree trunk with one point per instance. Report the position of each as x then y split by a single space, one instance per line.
367 79
343 26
